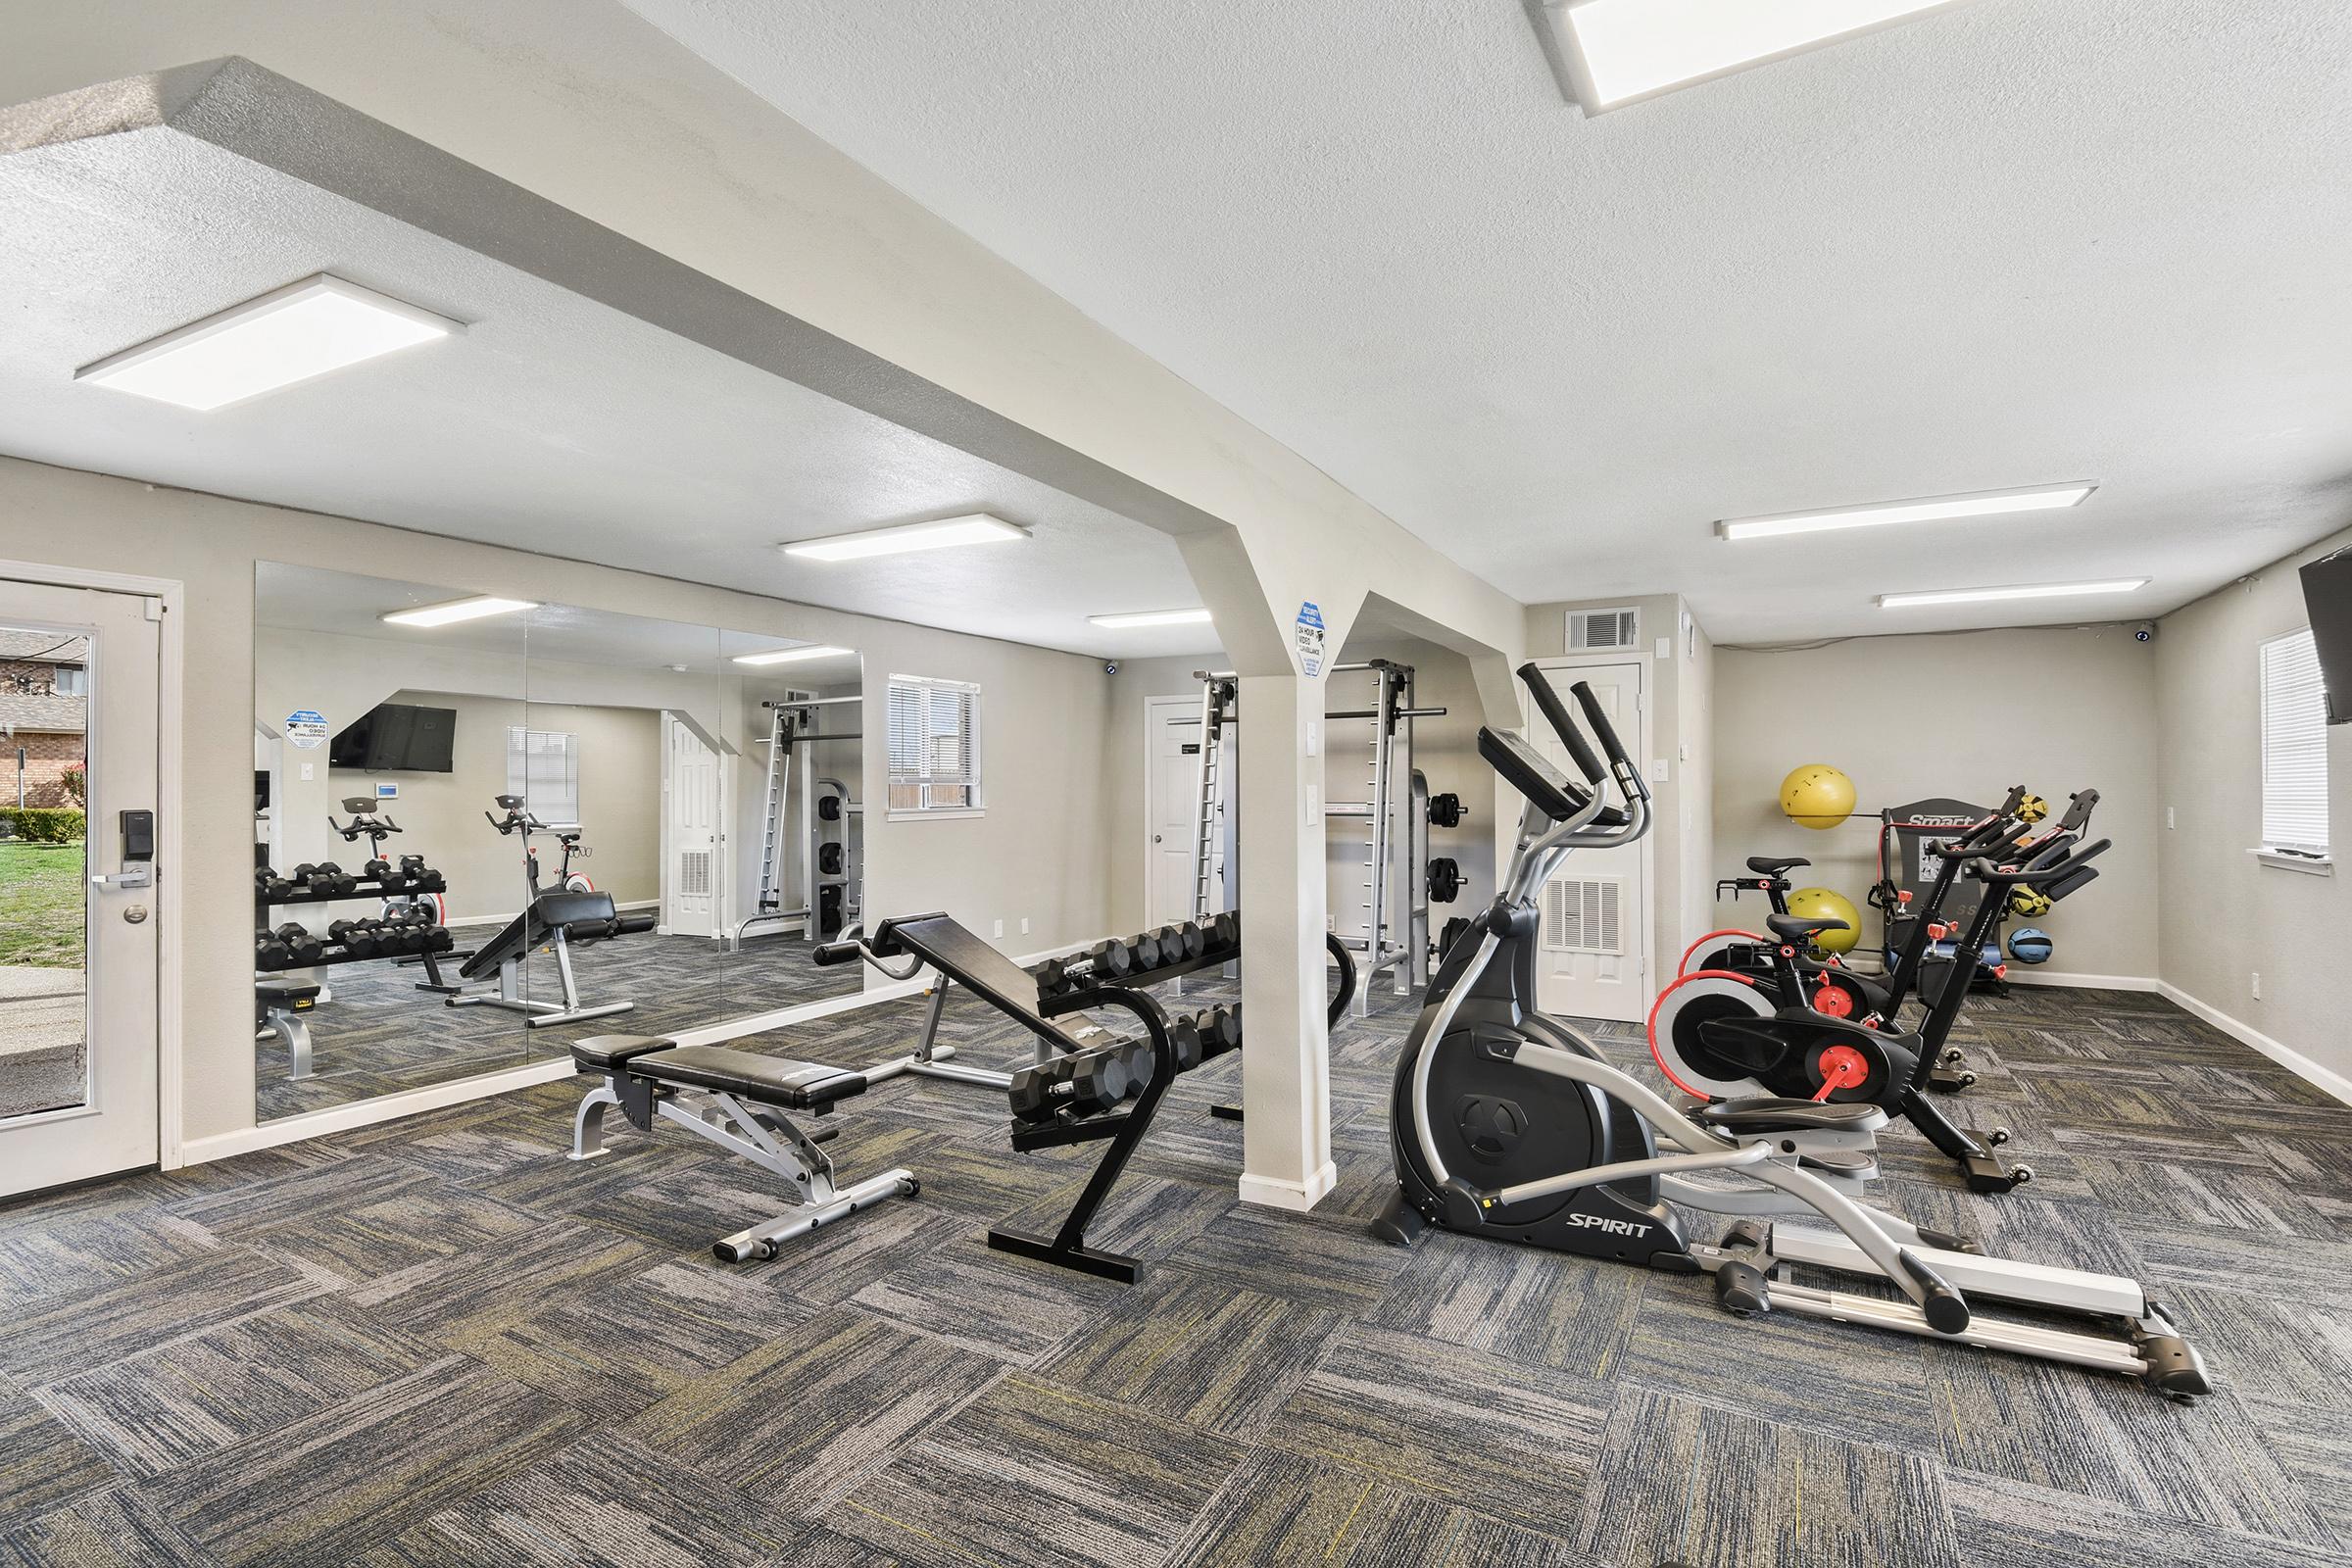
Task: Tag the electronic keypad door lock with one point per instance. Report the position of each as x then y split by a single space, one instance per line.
138 853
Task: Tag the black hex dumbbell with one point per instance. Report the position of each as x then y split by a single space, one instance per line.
268 953
301 945
1182 943
1084 1083
1184 1035
358 937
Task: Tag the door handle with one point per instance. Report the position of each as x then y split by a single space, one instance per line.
137 876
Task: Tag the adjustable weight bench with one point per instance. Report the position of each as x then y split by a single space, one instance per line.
742 1102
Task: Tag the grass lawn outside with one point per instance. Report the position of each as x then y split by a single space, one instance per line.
43 900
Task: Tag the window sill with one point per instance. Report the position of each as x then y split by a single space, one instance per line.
2323 866
937 812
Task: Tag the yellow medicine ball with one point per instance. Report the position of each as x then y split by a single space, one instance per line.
1820 903
1817 796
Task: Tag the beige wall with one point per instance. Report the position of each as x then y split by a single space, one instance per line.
1966 716
2223 916
1037 851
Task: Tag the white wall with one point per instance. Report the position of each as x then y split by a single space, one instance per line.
1680 687
1966 716
1038 850
2223 916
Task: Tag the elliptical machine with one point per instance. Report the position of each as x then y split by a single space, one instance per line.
1505 1123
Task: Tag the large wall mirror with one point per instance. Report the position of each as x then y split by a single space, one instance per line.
483 829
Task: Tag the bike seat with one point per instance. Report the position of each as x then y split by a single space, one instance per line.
1766 1114
1799 929
1771 865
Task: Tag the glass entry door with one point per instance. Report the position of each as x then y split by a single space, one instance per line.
78 705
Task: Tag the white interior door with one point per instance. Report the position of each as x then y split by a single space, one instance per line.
78 917
1172 784
689 831
1593 962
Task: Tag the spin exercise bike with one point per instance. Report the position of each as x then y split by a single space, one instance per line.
1504 1123
1721 1033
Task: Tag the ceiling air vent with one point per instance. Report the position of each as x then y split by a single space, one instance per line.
1603 630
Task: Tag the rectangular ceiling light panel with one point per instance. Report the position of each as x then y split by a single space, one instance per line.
1977 504
1618 51
977 529
789 656
1151 617
305 329
2043 590
457 610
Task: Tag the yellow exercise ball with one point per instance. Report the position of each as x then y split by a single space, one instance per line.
1817 795
1820 903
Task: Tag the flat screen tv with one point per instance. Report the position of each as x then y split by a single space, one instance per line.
397 738
2327 595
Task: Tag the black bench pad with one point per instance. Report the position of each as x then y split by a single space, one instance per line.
769 1080
604 1053
279 993
1765 1114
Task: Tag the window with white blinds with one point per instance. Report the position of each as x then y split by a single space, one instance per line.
543 767
933 745
2294 746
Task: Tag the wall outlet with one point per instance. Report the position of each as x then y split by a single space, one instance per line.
1665 648
2258 985
2168 822
999 929
307 774
1315 738
1024 925
1657 770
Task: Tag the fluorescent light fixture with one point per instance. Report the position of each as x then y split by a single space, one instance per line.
977 529
287 335
1976 503
1614 52
789 656
2040 590
457 610
1151 618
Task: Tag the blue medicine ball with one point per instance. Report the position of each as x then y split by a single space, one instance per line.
2030 945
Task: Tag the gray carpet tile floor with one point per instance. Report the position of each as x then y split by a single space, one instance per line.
438 1342
380 1035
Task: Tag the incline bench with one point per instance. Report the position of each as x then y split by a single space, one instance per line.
742 1102
555 920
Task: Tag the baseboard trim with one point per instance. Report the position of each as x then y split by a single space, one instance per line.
1295 1196
2287 1056
367 1113
2018 975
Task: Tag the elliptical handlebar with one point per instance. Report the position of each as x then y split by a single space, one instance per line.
1547 701
1629 783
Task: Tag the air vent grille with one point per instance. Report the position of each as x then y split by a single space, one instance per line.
1603 630
1582 914
694 874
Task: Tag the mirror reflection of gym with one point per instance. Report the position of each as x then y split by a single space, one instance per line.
524 825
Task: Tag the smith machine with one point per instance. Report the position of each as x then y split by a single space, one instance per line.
826 821
1380 905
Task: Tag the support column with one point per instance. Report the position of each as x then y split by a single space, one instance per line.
1285 1070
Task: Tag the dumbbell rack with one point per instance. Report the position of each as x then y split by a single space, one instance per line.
369 887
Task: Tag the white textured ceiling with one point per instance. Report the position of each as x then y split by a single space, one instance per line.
2014 242
553 425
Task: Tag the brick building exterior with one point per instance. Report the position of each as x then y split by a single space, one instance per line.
44 715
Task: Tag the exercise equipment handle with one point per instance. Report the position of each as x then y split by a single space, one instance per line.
1628 777
832 953
1556 712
